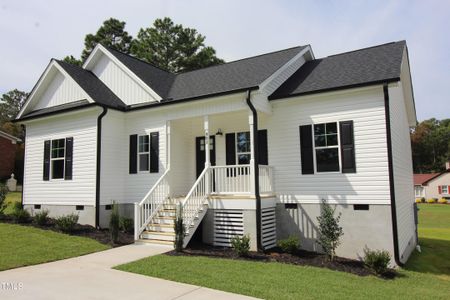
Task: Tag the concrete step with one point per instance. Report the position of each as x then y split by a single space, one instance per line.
152 242
160 227
155 235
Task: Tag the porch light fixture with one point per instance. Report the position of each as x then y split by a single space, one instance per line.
219 132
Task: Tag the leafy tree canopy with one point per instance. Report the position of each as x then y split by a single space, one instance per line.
430 141
173 47
10 105
72 60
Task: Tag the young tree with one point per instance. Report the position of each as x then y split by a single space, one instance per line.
329 230
173 47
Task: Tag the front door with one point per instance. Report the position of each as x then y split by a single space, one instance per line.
200 152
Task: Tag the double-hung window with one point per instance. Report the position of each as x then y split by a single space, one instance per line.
326 147
243 148
57 159
444 189
144 153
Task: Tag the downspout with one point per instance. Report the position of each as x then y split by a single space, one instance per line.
256 168
24 128
99 156
391 175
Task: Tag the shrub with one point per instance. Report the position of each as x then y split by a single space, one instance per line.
442 201
422 199
329 230
241 245
127 224
114 223
67 223
41 218
179 230
19 214
418 200
377 260
3 192
431 200
289 245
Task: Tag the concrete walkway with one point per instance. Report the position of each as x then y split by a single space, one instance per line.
91 277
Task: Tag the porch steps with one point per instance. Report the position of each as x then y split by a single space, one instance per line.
158 242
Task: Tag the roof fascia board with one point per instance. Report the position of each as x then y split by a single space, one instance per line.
406 80
59 113
9 137
90 62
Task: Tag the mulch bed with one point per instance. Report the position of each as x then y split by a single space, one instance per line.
301 258
100 235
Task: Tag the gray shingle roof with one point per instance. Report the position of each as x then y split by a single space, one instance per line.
360 67
93 86
236 75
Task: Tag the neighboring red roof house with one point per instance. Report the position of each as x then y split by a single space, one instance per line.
8 147
433 185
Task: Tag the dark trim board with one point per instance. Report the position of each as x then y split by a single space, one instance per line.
391 174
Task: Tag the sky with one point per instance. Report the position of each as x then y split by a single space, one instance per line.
33 32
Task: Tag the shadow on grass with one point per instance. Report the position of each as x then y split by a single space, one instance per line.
434 258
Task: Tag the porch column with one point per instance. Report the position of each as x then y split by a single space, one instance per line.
252 153
207 153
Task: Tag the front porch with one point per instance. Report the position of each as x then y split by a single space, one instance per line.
210 172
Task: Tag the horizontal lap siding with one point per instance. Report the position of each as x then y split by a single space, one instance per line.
81 189
114 164
403 173
370 183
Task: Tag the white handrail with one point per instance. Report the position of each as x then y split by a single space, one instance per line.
145 210
195 199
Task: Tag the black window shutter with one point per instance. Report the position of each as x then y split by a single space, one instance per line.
154 152
133 154
46 175
347 147
306 149
230 145
263 155
69 159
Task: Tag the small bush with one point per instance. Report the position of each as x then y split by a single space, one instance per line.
126 224
377 260
431 200
241 245
114 223
418 200
289 245
179 230
19 214
66 223
442 201
3 192
41 218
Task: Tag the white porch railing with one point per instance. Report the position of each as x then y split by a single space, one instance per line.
145 210
235 179
195 199
266 179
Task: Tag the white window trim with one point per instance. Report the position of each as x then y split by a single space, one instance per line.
442 189
236 147
338 146
58 158
418 191
139 155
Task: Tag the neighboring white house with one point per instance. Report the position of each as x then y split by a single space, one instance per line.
433 185
268 136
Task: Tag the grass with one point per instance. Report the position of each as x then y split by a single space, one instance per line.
425 277
26 245
434 237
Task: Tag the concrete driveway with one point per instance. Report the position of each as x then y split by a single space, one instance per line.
91 277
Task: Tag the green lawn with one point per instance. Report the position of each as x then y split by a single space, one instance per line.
425 277
434 237
26 245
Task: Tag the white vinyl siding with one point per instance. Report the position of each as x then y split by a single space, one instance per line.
124 86
370 183
60 90
403 172
82 126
